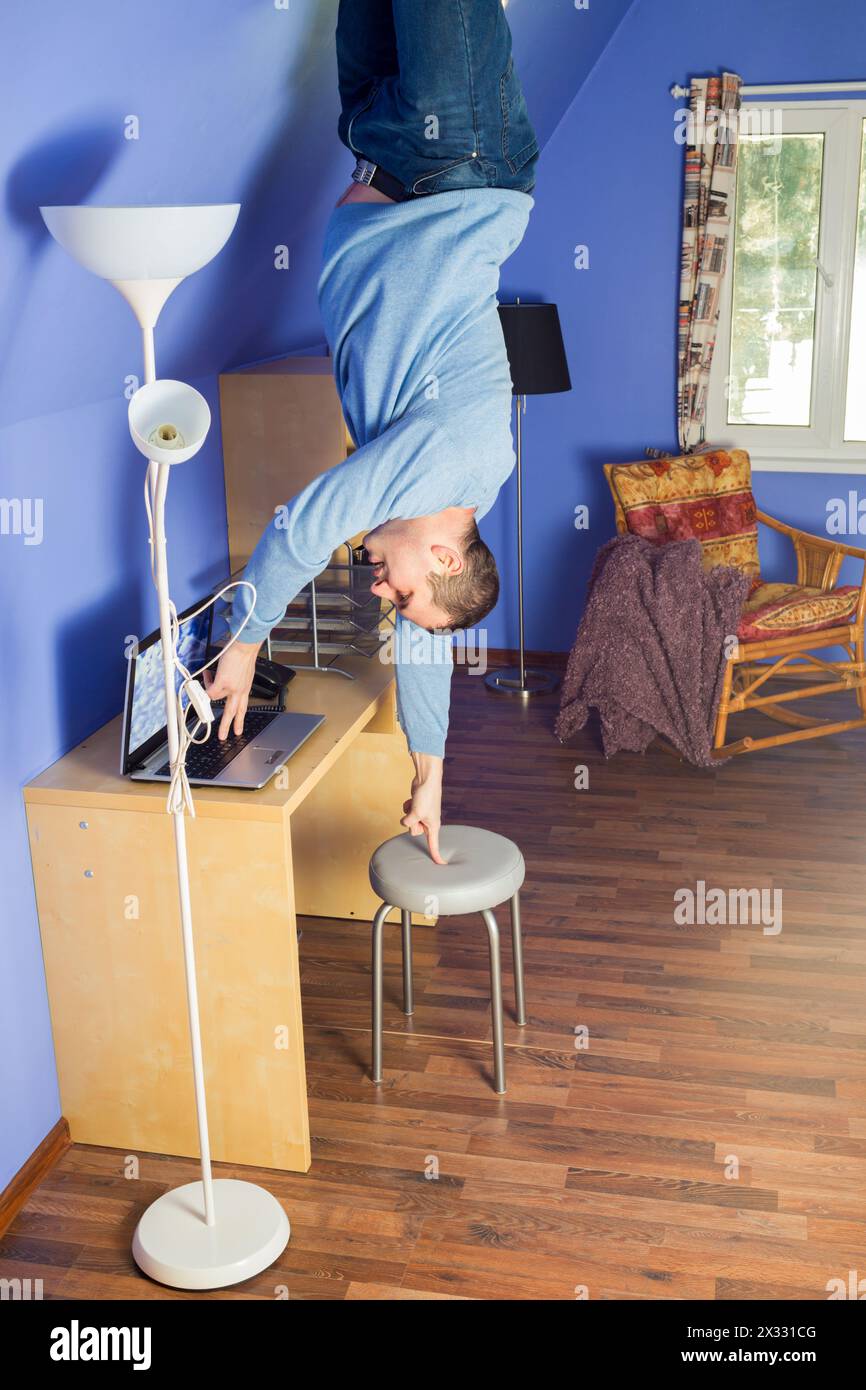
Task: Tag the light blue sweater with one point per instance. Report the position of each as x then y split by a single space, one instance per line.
408 299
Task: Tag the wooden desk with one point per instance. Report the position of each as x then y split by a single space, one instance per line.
104 866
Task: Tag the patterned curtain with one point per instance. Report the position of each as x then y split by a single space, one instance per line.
711 166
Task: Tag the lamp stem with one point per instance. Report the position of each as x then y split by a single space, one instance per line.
518 680
521 405
149 355
161 474
149 376
161 565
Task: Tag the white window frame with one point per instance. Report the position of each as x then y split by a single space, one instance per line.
820 446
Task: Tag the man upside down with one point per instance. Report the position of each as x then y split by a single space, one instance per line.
433 110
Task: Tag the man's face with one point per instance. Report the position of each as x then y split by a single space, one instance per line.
401 561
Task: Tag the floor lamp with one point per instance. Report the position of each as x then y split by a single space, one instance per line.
207 1234
536 356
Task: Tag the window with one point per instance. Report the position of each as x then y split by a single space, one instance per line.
789 378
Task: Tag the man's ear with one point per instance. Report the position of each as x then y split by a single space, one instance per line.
448 560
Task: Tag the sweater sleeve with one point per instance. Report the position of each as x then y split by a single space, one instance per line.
423 662
410 470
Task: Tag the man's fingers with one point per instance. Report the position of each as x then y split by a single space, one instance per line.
432 833
228 714
416 826
241 713
214 684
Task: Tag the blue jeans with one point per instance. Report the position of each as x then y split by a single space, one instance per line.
429 92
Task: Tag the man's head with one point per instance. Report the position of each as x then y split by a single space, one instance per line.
436 569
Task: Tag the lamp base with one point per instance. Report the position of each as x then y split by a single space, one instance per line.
173 1244
508 682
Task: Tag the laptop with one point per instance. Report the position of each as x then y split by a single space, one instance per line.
270 737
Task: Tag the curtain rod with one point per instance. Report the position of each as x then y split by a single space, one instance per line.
778 88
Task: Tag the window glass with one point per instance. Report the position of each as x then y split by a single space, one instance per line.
778 215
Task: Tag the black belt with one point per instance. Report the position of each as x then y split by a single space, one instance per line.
374 176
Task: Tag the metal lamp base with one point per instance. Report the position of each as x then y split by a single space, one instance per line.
508 682
513 680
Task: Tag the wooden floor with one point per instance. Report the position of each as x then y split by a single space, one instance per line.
708 1142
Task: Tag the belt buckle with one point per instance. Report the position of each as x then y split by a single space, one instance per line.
363 171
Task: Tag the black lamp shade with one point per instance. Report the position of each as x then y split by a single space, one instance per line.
536 352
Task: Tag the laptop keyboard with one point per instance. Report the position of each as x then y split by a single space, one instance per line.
205 761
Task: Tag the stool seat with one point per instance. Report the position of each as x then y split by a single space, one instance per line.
481 871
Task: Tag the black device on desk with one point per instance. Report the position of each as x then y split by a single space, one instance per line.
270 681
270 737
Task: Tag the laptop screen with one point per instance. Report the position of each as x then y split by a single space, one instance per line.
144 722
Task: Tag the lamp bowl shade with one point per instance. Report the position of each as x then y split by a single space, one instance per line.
168 421
536 352
142 243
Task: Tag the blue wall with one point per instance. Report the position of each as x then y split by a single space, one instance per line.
235 100
613 182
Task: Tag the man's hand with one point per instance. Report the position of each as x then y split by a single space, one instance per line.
422 813
231 682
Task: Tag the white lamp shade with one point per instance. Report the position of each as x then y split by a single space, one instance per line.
168 421
142 243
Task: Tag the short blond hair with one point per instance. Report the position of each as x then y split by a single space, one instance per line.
469 596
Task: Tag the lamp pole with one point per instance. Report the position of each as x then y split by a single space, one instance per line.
536 360
177 814
517 680
521 406
214 1233
157 480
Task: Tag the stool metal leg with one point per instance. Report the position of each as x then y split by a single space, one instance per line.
378 928
496 1001
408 997
517 954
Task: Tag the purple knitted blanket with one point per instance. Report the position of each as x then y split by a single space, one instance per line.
649 652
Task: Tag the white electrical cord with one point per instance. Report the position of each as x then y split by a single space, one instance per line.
179 790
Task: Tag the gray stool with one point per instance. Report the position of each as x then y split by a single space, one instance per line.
482 870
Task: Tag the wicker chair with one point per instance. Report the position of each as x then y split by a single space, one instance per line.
708 497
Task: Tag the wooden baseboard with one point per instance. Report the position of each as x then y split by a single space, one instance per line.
28 1177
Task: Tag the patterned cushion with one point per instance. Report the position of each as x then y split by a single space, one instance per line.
783 610
707 497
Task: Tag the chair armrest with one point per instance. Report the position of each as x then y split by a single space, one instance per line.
818 559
